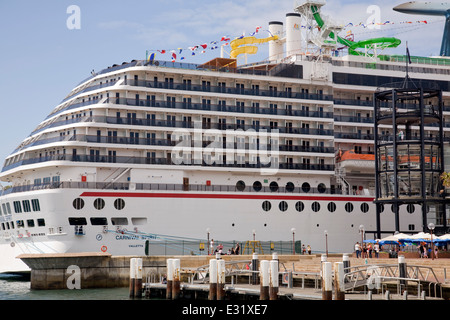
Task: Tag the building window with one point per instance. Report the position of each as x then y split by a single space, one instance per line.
410 208
78 203
41 222
99 203
266 205
30 223
283 206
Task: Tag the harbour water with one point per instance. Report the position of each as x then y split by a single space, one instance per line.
18 288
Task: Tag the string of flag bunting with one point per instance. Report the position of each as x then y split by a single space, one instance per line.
181 53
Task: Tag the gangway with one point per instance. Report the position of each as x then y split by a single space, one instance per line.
375 276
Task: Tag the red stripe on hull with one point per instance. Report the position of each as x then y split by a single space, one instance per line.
219 196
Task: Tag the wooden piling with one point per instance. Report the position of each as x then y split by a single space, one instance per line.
254 276
264 274
132 276
138 280
220 279
169 279
176 279
402 272
274 280
339 281
327 284
212 279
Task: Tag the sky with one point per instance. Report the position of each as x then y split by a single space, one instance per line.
42 58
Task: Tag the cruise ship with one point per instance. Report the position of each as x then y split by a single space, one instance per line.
149 148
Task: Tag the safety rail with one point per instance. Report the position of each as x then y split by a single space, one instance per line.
374 276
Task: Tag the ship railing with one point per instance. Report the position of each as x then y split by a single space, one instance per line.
272 164
174 187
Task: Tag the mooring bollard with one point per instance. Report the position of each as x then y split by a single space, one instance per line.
327 282
254 275
339 281
169 279
220 279
264 273
176 279
132 276
138 280
402 272
274 280
212 279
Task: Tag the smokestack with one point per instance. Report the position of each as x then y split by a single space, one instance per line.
276 47
293 34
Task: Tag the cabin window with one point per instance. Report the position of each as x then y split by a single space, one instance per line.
119 204
266 205
331 207
99 221
283 206
315 206
78 203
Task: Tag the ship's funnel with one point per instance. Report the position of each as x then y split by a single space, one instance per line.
276 47
432 9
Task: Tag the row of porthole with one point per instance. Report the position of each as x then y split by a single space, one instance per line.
257 186
315 206
99 204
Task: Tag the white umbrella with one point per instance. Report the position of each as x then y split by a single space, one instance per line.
444 237
421 235
394 238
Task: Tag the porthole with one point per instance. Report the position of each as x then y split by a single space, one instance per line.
331 207
321 188
240 185
119 204
273 186
306 187
283 206
266 205
78 203
410 208
349 207
315 206
99 203
257 186
290 187
299 206
364 207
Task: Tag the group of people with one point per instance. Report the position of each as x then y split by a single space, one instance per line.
306 249
425 252
366 250
219 249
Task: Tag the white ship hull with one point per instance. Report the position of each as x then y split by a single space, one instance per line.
155 216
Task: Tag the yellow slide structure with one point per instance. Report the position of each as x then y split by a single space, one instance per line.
236 44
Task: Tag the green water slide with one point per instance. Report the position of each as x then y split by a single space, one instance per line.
382 42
